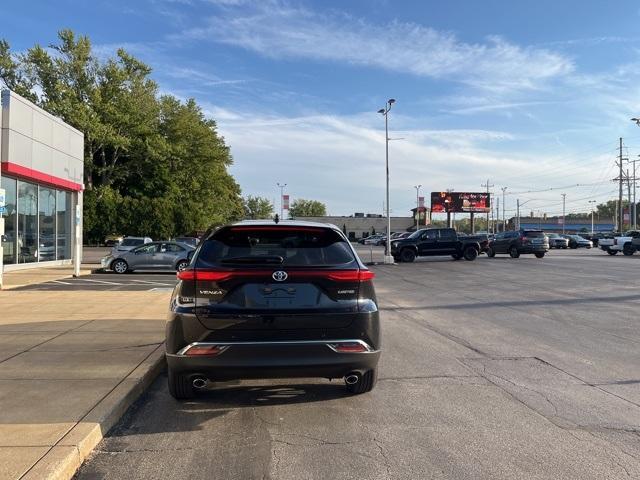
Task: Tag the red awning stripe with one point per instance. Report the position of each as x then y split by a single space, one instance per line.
39 177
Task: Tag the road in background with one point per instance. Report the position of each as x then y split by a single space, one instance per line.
498 368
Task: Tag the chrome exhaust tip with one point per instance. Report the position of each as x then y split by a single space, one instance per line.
352 379
199 383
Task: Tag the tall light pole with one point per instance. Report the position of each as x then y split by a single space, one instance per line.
518 205
488 185
504 223
281 186
564 201
417 187
591 203
385 112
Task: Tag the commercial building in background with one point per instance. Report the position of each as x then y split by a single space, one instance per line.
41 173
554 224
361 225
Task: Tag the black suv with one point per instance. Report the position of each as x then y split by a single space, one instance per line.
519 242
267 300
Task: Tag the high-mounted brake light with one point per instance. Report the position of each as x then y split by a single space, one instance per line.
278 229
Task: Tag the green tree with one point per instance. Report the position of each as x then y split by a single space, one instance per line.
257 208
307 208
153 165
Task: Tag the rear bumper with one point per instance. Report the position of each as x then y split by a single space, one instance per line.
280 359
533 249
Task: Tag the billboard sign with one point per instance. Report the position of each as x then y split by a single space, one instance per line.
460 202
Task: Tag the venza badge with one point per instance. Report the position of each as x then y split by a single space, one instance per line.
279 276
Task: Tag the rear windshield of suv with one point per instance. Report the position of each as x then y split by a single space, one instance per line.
294 246
531 234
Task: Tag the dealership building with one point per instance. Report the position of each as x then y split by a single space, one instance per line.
41 177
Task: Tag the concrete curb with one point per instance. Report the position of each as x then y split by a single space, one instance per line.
62 277
63 460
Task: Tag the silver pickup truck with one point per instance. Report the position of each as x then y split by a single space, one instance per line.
627 243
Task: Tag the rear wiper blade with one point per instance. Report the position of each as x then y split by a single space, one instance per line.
255 259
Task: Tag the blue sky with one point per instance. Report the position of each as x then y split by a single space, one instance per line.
531 95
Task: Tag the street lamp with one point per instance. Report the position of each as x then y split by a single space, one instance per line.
518 205
281 186
385 112
591 203
417 187
504 223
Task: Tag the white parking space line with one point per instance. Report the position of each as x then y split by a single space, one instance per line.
165 289
60 282
99 281
146 282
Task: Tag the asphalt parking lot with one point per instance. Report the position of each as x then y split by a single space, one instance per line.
134 281
497 368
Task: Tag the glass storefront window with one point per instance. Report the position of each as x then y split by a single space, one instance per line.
46 224
38 223
64 225
27 222
9 241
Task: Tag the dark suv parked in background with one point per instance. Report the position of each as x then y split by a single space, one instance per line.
518 243
267 300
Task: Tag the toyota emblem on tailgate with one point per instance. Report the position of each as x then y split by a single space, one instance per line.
279 276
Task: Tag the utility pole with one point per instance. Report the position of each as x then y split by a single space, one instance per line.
417 187
635 213
517 214
497 226
591 203
629 197
281 186
488 185
388 259
621 211
564 198
504 223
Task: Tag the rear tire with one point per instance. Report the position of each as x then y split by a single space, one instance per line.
491 252
513 252
180 386
181 265
407 255
470 254
120 266
628 250
539 254
573 245
366 383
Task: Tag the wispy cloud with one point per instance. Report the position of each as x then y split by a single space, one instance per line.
279 30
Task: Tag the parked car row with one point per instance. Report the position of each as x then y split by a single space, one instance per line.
446 241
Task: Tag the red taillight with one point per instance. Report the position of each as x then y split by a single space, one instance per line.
222 275
348 275
210 275
205 350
